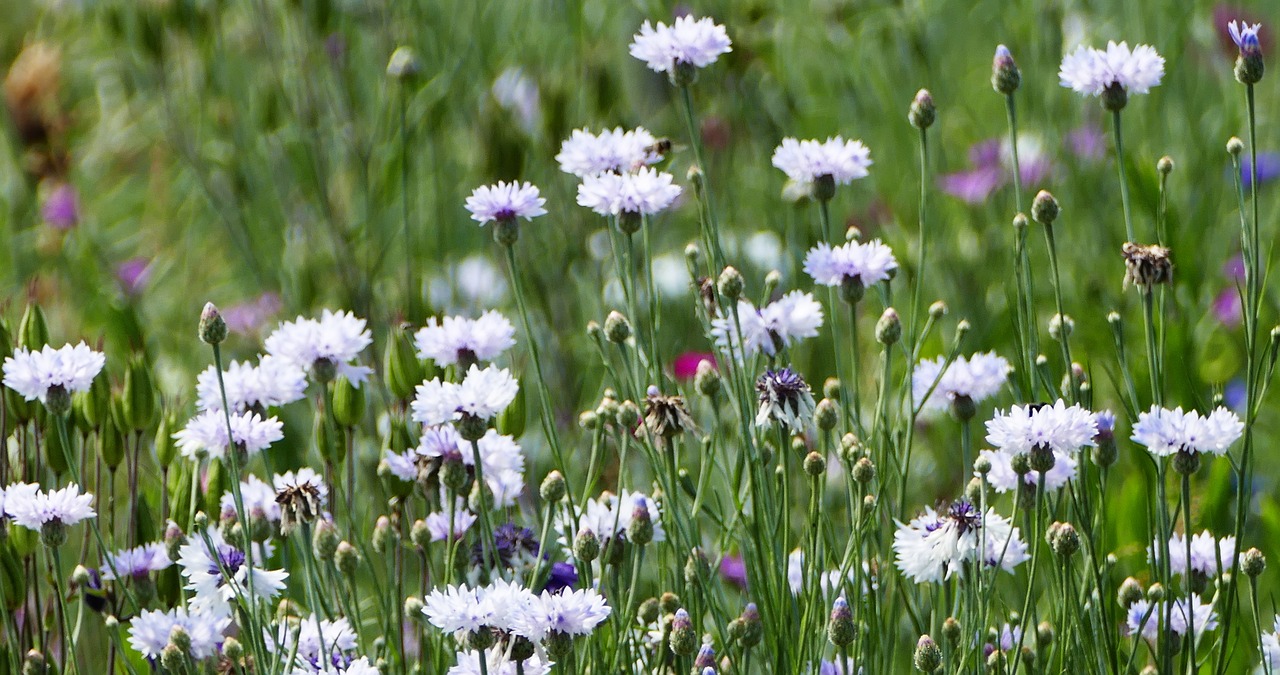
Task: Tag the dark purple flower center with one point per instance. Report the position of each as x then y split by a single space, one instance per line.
964 515
230 558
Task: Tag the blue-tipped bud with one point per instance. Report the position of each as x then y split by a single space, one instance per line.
1005 76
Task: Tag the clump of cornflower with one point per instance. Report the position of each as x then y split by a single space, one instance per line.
1210 557
1186 435
681 48
586 154
822 165
49 513
1112 74
936 545
610 517
137 563
318 645
206 434
204 564
628 195
301 496
466 342
784 398
1048 434
52 375
1249 65
326 347
149 632
793 317
480 396
852 266
504 204
1144 617
963 384
273 382
501 459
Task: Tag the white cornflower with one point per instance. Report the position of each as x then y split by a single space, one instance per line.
830 580
35 510
274 381
1271 648
687 42
456 609
456 339
571 613
17 493
1165 432
611 515
137 562
258 497
33 374
784 398
1003 478
149 631
326 346
203 566
344 666
1090 71
975 378
497 663
586 154
505 201
644 192
500 457
1209 556
793 317
441 524
1180 616
403 465
1059 427
807 161
867 264
481 395
934 546
318 641
207 433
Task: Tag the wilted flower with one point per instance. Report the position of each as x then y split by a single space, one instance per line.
666 416
934 546
1146 266
301 496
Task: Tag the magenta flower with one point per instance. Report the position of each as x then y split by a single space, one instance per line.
61 208
685 365
1226 307
734 570
133 274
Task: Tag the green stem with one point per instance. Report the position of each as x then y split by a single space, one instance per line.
1124 183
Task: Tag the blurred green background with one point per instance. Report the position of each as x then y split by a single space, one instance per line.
252 153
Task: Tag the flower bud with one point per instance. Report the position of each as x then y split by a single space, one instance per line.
826 415
1005 77
553 487
923 112
33 330
832 389
730 284
696 567
346 558
413 609
403 64
927 657
889 327
617 328
1252 563
648 611
348 403
172 658
684 639
982 465
640 531
864 471
403 371
384 535
1165 165
1235 146
753 627
669 603
707 379
233 650
1045 209
951 631
1155 593
771 282
706 659
1063 539
1249 65
138 400
213 328
419 534
937 310
34 664
841 630
586 546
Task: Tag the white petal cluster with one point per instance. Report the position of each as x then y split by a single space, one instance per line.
33 510
203 566
207 433
482 394
1144 619
149 631
611 515
258 497
1271 648
511 608
793 317
447 340
337 337
618 151
934 546
977 377
496 662
316 641
869 263
807 161
1209 556
1089 71
689 41
505 201
71 367
646 192
1165 432
273 382
1060 427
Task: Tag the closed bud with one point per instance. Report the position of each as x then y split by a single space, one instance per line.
1235 146
34 664
706 660
1252 563
1044 208
179 638
923 112
553 487
348 403
1005 77
973 490
937 310
1044 635
951 631
401 366
173 659
889 327
826 415
346 558
419 534
1155 593
628 415
669 603
384 535
831 388
403 64
33 330
730 284
1020 464
927 657
213 328
696 567
588 419
586 546
684 639
233 650
617 328
640 532
1165 165
1020 222
841 630
1064 539
752 626
648 611
413 609
771 282
594 330
139 397
982 465
707 379
864 471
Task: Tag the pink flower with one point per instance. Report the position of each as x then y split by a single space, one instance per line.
133 274
685 366
61 208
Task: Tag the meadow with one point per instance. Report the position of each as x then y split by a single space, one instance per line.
344 336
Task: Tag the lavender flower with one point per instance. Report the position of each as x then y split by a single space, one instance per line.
688 42
61 208
149 631
203 565
1210 556
505 202
36 510
274 382
852 262
137 562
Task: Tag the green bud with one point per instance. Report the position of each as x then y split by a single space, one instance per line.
1235 146
139 397
166 448
348 403
730 284
923 112
826 415
648 611
617 328
511 421
346 559
669 603
937 310
217 483
586 546
404 64
111 443
927 657
324 540
951 631
55 455
1005 77
814 464
1253 563
841 630
684 639
403 371
889 327
707 379
233 650
213 328
1044 208
553 487
33 331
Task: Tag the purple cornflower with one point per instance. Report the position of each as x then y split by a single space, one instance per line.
61 209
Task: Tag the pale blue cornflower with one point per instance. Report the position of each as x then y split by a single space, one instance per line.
149 631
852 262
808 161
505 202
977 378
934 546
325 347
686 43
1090 72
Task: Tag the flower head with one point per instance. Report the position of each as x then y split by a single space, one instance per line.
322 646
218 572
611 515
1090 71
1059 427
644 192
1245 35
481 395
1144 619
687 42
866 264
258 497
784 398
807 161
586 154
1210 557
325 347
149 631
977 377
34 510
505 202
456 339
791 318
1165 432
571 613
69 368
453 525
936 545
207 433
275 381
137 562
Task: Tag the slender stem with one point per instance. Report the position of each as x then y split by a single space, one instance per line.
1064 335
1153 357
412 288
1186 529
482 507
712 233
1124 183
